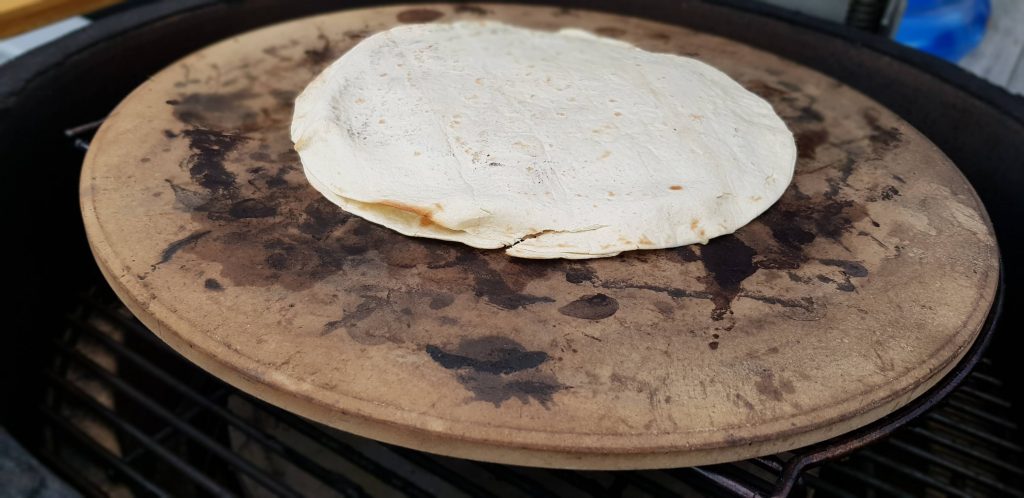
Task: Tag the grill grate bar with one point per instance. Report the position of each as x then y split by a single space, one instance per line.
83 128
968 390
189 431
982 377
871 481
964 448
647 485
772 463
952 466
334 480
829 489
342 449
429 464
725 482
970 411
914 474
80 483
112 418
87 443
168 431
581 482
130 323
525 484
971 431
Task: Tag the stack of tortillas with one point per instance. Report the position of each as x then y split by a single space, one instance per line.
554 145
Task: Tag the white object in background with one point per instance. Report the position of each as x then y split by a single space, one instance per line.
17 45
1000 57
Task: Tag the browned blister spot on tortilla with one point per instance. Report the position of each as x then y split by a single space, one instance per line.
471 9
426 215
675 187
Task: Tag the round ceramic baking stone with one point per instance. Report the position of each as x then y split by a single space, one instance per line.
855 293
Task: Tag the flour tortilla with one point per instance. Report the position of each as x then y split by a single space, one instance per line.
554 145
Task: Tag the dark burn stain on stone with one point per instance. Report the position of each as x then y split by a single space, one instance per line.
471 9
806 304
745 402
170 134
251 208
808 141
261 156
206 163
883 138
351 319
851 268
687 254
211 110
322 217
496 369
316 57
578 273
610 31
418 15
188 199
795 223
769 386
441 300
180 244
213 284
673 292
764 90
493 355
591 307
793 105
495 389
285 97
491 285
729 262
889 193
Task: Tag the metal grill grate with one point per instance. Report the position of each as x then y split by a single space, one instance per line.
125 414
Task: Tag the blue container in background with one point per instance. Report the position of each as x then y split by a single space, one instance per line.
946 28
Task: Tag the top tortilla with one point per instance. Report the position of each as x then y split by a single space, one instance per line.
555 145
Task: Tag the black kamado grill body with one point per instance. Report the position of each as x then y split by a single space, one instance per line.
51 274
